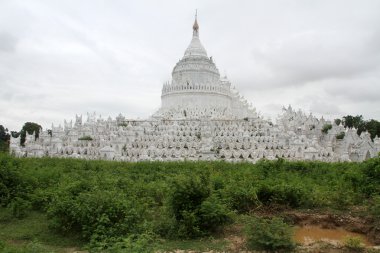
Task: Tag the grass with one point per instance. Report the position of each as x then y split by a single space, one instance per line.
22 235
200 245
19 233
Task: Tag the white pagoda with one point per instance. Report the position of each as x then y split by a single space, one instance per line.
201 118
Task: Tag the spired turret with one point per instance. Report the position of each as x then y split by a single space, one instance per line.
195 48
197 90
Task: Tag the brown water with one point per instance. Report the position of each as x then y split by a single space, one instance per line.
309 234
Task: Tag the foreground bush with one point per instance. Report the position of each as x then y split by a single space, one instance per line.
97 215
105 202
374 210
354 244
196 212
20 207
269 234
32 247
143 243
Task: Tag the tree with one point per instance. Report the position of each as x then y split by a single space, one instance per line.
373 127
15 134
337 121
30 128
354 121
4 138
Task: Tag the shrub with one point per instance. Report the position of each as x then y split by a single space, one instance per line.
213 214
185 201
11 181
354 244
165 225
287 195
31 247
85 138
196 212
4 194
20 207
326 128
142 243
97 214
375 208
188 194
371 173
340 136
269 234
242 198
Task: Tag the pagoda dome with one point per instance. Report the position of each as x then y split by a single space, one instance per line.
195 67
195 48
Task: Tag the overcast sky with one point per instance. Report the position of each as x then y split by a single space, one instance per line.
61 58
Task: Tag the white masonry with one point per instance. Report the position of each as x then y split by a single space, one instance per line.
202 117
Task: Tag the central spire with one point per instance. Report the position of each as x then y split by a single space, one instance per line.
195 26
195 48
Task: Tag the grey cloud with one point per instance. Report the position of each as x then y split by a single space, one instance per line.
7 42
313 56
322 107
364 89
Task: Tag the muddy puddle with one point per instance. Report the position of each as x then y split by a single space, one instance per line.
308 234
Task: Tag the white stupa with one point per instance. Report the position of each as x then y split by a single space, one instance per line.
201 118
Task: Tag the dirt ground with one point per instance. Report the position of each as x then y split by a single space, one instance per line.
323 219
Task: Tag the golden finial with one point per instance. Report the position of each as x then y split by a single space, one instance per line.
196 26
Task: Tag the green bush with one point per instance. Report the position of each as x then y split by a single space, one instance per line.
20 207
340 136
105 201
371 177
269 234
196 212
188 194
374 209
213 214
85 138
326 128
12 183
97 215
31 247
287 195
142 243
241 197
354 244
4 195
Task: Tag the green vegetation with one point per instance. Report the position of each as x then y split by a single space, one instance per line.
326 128
372 126
85 138
340 136
374 210
269 234
138 207
4 139
354 244
32 232
30 128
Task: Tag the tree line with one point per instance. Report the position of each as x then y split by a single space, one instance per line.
28 127
349 121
